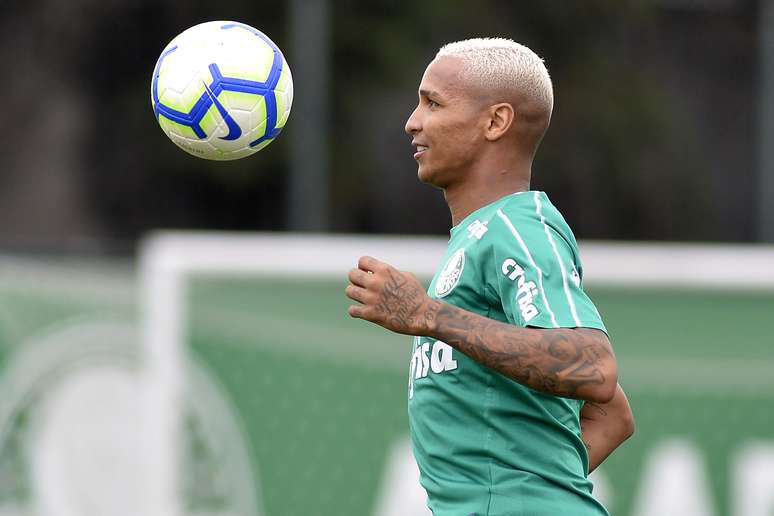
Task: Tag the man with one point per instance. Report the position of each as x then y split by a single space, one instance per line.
507 345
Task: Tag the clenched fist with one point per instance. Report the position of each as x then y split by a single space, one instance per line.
390 298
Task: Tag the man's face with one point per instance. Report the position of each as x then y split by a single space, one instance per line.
446 125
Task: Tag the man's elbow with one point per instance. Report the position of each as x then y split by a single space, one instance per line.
607 370
627 418
627 425
604 390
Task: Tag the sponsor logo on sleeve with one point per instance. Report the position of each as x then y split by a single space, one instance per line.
526 291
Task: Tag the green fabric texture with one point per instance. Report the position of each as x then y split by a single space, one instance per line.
485 444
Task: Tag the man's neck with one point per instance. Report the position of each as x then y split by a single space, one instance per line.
465 198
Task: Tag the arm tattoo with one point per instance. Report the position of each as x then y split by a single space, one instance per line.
400 300
562 362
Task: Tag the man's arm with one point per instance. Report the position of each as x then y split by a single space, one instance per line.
604 426
574 363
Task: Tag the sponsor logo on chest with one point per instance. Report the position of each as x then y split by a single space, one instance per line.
437 358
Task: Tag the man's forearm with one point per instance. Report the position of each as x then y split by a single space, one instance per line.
604 426
574 363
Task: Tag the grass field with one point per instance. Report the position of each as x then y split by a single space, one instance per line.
332 389
294 408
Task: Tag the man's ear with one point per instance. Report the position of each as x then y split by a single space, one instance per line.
500 120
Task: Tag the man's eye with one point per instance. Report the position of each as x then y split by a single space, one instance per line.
432 103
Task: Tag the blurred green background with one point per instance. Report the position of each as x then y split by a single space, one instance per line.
314 403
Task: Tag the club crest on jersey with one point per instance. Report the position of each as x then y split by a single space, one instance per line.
450 274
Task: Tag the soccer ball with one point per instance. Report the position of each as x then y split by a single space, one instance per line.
221 90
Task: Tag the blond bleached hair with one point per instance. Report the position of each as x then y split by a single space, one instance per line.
505 65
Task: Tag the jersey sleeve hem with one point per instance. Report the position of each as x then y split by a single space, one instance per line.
547 325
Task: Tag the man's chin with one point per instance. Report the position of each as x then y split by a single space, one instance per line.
427 177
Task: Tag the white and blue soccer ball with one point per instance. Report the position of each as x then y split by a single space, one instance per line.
222 90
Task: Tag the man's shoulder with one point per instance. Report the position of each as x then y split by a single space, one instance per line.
528 223
532 208
518 215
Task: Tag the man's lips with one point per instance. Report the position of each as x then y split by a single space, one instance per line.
421 149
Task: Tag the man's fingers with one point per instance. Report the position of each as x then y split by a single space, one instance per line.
356 293
369 264
359 277
357 311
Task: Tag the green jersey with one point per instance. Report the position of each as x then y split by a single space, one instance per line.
485 444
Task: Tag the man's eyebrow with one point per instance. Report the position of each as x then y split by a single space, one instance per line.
428 93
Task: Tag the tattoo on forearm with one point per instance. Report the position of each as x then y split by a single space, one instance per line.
556 362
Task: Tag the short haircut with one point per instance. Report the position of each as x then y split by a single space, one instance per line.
503 64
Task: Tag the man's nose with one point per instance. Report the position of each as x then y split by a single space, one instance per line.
412 124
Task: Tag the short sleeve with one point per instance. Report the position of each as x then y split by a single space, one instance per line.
539 277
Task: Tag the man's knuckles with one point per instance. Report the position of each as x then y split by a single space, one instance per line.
369 263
